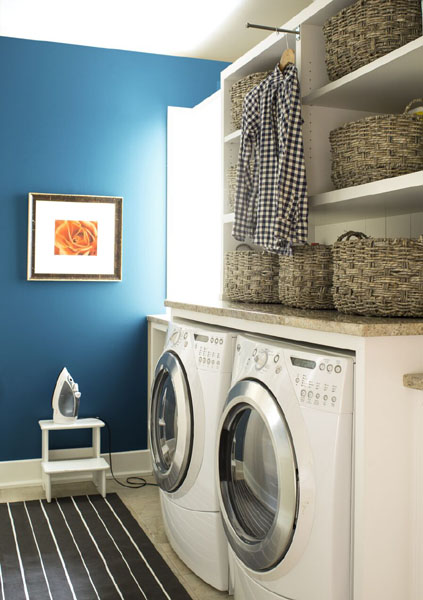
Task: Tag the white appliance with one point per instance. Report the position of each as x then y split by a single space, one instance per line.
65 400
191 381
284 471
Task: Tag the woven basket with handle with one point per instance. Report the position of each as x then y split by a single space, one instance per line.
378 276
251 276
377 148
305 278
368 29
238 92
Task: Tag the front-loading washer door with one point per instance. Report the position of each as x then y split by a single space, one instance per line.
258 476
170 423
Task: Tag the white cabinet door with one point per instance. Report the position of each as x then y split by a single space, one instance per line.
194 201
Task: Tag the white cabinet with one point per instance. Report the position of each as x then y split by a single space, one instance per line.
391 207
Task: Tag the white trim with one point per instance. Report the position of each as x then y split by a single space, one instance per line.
24 473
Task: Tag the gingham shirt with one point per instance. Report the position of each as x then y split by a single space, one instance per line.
271 192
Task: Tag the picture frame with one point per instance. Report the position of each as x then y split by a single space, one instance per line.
74 238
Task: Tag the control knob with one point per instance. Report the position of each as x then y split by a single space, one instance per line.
261 359
174 338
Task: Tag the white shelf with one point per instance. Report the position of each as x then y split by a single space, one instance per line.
394 196
385 85
235 136
75 465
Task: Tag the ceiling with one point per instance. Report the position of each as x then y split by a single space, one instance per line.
213 30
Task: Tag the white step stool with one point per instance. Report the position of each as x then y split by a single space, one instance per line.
97 465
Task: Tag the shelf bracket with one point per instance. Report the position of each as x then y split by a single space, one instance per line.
295 32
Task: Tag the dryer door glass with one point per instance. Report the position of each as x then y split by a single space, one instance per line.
170 423
258 476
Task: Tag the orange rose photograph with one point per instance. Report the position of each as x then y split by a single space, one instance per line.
75 238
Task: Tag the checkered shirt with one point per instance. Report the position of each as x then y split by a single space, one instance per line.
271 192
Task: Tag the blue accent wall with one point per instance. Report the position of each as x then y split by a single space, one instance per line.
80 120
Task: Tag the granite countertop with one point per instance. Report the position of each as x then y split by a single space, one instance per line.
320 320
162 319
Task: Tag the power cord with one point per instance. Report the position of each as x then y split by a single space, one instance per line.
134 481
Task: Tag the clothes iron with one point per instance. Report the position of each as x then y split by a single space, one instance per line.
65 399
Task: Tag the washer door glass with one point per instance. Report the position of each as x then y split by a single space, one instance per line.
258 476
170 423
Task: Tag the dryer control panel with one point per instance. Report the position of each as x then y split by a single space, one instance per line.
320 381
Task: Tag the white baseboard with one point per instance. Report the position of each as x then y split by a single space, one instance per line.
24 473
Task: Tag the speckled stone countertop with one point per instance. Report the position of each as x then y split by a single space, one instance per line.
162 319
319 320
413 380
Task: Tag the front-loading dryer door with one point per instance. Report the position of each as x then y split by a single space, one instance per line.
258 476
170 423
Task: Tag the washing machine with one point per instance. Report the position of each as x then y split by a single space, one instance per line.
191 380
284 471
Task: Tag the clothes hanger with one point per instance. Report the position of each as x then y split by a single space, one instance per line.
288 56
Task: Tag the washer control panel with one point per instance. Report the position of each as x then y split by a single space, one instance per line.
213 350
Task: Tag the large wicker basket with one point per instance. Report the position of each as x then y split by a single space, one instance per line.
378 276
368 29
377 148
305 278
238 92
231 179
251 276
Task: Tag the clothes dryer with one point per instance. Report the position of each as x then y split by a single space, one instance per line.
191 381
284 471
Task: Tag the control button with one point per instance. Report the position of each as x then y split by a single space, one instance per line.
317 396
276 358
303 393
261 359
185 335
238 347
212 340
218 362
310 394
254 351
200 360
221 341
325 397
329 368
208 361
297 380
322 366
212 362
338 368
333 399
278 370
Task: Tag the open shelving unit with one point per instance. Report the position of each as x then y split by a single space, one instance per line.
386 85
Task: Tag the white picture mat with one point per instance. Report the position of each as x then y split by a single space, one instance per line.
46 262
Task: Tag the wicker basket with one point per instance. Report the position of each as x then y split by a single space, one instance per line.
305 278
377 148
231 179
251 276
238 92
368 29
378 277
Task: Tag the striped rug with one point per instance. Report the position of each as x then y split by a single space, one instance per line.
80 548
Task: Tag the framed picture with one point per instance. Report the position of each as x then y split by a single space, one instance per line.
77 238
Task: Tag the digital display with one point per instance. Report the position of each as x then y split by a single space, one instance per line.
301 362
201 338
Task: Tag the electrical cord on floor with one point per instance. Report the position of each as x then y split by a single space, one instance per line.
134 481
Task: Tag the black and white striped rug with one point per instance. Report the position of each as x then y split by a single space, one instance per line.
80 548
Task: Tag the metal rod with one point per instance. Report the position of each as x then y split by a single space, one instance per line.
278 29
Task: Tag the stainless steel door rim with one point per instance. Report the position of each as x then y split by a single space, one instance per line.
171 457
263 546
